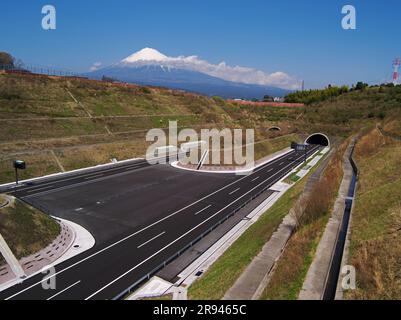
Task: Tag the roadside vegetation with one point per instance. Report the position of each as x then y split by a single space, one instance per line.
26 229
313 96
375 247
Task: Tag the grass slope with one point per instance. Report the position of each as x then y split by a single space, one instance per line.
375 248
26 229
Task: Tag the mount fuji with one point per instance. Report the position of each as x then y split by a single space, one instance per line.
150 67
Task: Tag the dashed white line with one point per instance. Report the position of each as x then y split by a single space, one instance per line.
64 290
179 238
203 209
155 237
255 179
232 192
139 231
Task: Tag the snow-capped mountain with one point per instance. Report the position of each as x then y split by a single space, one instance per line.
150 67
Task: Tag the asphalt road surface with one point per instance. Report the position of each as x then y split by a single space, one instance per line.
140 216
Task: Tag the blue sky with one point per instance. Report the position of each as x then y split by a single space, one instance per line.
302 38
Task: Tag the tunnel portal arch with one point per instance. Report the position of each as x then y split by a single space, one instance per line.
318 138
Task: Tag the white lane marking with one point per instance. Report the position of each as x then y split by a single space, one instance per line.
39 189
270 170
139 231
78 209
179 238
80 183
255 179
80 176
232 192
60 292
150 240
203 209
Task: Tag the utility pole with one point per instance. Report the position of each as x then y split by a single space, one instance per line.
396 65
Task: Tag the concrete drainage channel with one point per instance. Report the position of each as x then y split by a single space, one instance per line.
324 274
337 259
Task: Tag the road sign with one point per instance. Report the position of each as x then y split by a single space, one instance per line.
298 146
18 164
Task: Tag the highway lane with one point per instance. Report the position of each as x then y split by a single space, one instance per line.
55 182
104 272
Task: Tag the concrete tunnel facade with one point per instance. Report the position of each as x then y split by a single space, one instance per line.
318 138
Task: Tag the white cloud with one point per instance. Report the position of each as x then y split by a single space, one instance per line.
221 70
95 66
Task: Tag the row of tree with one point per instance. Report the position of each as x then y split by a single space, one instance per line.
316 95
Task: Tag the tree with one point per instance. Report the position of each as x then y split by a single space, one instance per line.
6 59
108 79
268 98
361 85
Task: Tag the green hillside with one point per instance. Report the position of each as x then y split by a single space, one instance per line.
54 123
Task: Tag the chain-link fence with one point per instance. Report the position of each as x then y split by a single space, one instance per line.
32 69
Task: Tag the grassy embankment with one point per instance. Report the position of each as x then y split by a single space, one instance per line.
375 248
25 229
39 119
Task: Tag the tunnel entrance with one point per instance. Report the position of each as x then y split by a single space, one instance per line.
318 138
274 129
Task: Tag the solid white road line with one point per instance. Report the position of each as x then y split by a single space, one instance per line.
179 238
85 182
232 192
39 189
150 240
137 232
60 292
203 209
79 176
